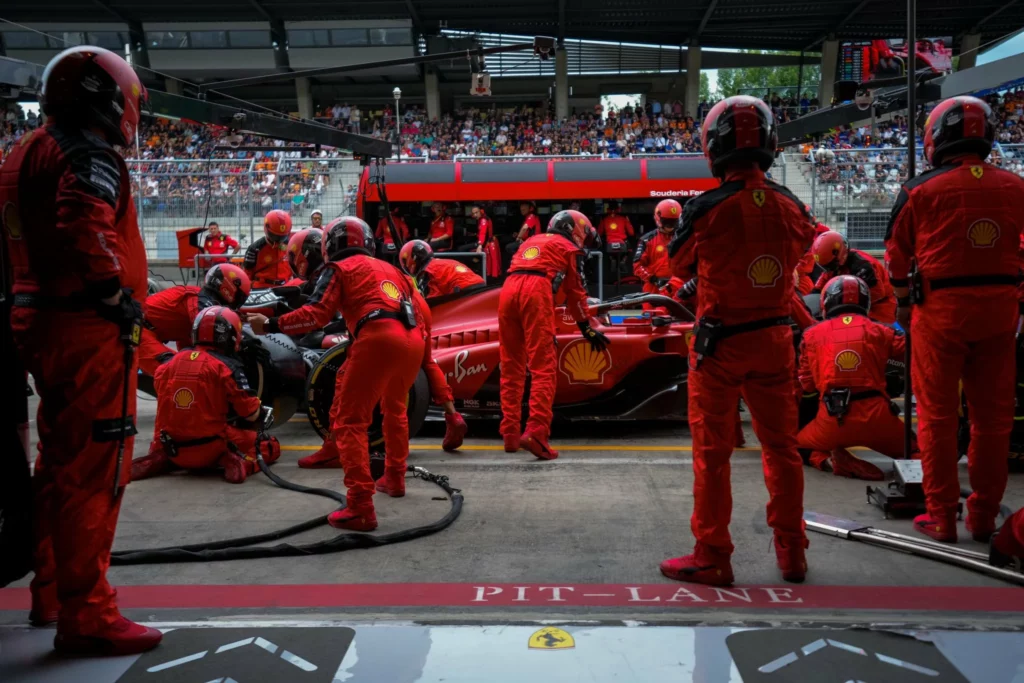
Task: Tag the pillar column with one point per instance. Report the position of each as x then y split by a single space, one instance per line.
829 62
433 94
305 97
561 83
969 51
172 86
692 98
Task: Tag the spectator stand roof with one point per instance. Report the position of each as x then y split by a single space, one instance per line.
755 24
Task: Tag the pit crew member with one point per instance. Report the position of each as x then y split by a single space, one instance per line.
650 260
442 229
435 276
487 241
383 233
832 253
615 229
265 260
217 242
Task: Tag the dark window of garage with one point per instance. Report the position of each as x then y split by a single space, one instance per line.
390 36
202 40
249 39
166 40
349 37
24 40
315 37
112 40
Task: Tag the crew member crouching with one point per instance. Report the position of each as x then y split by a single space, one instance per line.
842 365
197 391
832 253
436 277
305 259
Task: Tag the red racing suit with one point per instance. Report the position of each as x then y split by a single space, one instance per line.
266 263
442 233
805 268
71 230
383 233
485 238
197 391
960 223
743 241
526 327
440 390
443 276
532 224
851 352
218 245
614 230
169 318
872 272
650 260
382 364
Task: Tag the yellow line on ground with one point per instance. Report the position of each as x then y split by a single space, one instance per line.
593 447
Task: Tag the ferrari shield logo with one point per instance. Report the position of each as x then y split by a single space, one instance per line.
977 171
758 198
551 638
847 319
193 355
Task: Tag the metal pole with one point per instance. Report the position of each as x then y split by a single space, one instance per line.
908 393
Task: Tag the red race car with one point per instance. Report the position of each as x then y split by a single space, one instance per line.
642 374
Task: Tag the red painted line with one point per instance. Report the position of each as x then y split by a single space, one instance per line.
683 596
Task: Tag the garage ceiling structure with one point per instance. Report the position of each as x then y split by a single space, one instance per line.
754 24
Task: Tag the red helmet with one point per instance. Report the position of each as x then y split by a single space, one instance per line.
574 226
218 327
959 125
305 251
414 256
737 130
667 214
94 86
228 283
277 225
845 294
830 250
346 236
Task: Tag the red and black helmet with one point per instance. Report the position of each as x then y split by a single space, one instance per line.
414 256
845 294
305 251
277 225
739 130
218 327
574 226
667 214
228 284
830 250
959 125
346 236
94 86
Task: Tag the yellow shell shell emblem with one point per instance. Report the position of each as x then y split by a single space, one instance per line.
764 271
614 226
983 233
268 259
977 171
390 290
461 269
551 638
583 364
11 221
848 360
758 196
184 398
660 248
531 253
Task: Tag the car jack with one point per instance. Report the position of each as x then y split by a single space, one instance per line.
933 550
904 496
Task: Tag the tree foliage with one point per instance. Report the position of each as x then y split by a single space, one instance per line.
739 81
705 87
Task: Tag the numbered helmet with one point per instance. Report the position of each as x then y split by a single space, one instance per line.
739 130
845 294
830 250
667 214
414 256
346 236
574 226
277 225
305 251
314 215
95 87
218 327
228 284
959 125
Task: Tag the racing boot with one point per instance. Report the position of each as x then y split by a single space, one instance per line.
791 559
45 606
392 483
820 460
236 468
705 565
152 465
980 528
454 433
1007 546
325 458
538 445
357 515
511 443
845 464
942 529
123 637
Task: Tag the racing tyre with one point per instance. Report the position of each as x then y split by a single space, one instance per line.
320 396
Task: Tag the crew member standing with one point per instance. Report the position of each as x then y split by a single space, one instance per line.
384 236
743 240
959 225
442 229
526 326
436 276
650 261
531 223
832 253
266 261
79 269
217 242
383 360
615 228
487 242
842 367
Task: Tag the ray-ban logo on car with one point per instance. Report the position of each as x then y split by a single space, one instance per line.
463 369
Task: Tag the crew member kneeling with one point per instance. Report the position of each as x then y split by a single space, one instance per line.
197 392
526 326
305 258
842 365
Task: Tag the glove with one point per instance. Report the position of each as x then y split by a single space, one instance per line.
126 314
688 289
652 279
598 341
253 349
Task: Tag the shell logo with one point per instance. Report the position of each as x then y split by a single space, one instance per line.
268 259
531 253
11 221
583 364
848 361
390 290
135 90
983 233
977 171
183 399
613 226
764 271
660 248
461 269
758 196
